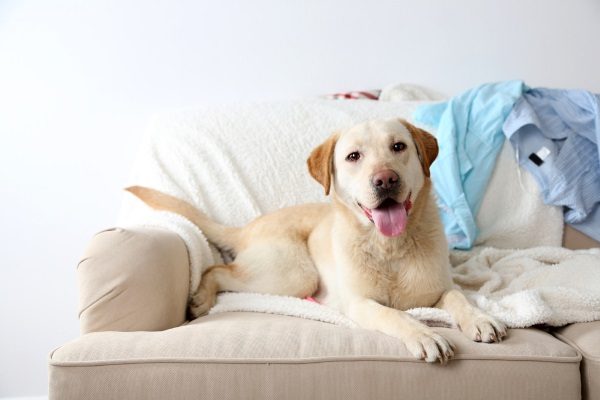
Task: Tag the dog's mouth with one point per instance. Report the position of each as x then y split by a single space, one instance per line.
390 217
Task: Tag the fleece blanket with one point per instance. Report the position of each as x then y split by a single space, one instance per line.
521 288
230 161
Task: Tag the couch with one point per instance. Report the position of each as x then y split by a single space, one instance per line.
134 282
137 343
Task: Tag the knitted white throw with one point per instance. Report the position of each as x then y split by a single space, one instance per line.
231 162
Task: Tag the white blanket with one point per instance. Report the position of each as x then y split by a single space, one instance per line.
237 162
231 161
542 285
295 307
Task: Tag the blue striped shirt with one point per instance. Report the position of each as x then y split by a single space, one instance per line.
556 135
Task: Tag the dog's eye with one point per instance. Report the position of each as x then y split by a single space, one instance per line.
354 156
398 147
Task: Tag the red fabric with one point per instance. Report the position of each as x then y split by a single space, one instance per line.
365 94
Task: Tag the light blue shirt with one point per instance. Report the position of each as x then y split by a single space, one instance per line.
561 128
469 133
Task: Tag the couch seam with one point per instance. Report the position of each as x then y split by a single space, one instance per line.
316 360
102 297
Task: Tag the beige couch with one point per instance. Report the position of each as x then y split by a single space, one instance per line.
137 344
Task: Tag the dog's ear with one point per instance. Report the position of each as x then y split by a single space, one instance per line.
320 162
427 147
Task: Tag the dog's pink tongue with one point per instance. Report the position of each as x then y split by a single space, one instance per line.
391 221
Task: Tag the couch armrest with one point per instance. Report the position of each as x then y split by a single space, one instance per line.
575 240
133 280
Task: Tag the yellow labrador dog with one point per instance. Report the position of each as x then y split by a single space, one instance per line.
378 249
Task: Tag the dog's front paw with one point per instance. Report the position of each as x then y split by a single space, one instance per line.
481 327
425 344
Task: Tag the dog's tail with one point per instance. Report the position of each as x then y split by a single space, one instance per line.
225 237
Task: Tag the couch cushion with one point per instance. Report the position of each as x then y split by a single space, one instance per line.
252 355
585 337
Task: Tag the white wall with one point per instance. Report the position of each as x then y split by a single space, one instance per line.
78 80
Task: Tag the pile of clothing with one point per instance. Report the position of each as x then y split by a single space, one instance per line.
555 135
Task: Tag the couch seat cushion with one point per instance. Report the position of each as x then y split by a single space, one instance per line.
252 355
585 337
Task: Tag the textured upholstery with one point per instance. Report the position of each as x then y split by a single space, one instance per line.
252 355
573 239
585 338
133 279
136 281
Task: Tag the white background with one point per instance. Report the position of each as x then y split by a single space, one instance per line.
78 81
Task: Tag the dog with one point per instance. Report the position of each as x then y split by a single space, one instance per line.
376 250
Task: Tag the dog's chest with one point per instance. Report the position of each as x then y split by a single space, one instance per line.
414 287
401 282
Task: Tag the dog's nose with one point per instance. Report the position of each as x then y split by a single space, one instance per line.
385 179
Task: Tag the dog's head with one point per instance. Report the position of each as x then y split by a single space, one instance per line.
376 169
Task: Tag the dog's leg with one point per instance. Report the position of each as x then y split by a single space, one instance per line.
422 341
474 323
210 284
220 277
279 268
